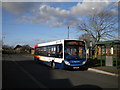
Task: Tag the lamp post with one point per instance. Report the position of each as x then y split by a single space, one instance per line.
68 32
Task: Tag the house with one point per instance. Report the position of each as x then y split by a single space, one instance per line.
18 48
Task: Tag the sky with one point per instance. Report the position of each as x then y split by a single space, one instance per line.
30 23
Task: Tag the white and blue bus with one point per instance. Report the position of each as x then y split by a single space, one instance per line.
62 53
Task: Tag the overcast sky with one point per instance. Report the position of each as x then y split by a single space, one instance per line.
35 22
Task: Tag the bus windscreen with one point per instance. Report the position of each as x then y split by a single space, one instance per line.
75 50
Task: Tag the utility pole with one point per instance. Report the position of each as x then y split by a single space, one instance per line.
68 32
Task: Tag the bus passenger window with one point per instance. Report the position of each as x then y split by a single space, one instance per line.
48 51
59 51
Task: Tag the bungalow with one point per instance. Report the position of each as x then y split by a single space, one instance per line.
18 48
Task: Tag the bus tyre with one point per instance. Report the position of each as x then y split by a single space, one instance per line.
53 64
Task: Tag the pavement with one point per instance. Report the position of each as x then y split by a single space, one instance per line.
106 70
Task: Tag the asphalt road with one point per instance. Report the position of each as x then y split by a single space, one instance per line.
20 71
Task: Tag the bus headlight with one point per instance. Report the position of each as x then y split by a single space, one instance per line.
67 63
83 62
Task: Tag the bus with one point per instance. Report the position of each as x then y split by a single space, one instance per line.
62 54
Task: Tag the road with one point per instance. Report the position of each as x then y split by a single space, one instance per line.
20 71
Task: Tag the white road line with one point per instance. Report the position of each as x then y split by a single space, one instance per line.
30 76
103 72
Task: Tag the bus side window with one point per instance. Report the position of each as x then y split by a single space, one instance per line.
48 51
58 51
37 51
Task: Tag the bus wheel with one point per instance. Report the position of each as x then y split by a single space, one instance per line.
53 64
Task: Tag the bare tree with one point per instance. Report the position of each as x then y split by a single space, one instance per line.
100 25
86 37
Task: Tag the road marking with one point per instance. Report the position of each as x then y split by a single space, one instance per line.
103 72
30 76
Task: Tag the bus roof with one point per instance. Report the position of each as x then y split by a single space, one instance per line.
54 42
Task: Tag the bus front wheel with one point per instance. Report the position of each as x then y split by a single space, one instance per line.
53 64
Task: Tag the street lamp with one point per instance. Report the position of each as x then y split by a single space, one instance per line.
68 32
